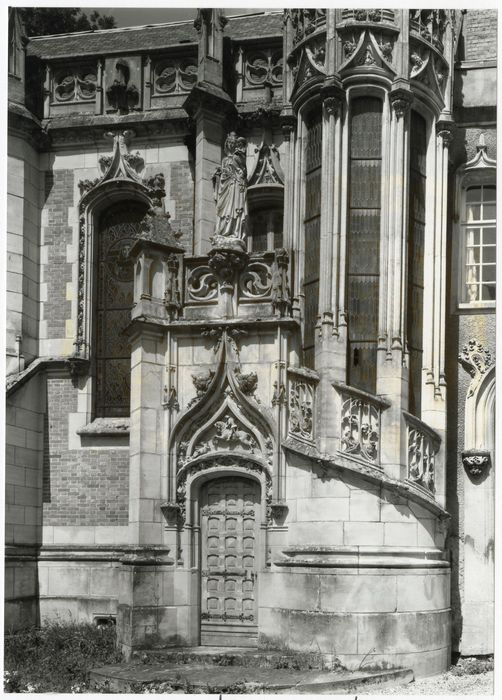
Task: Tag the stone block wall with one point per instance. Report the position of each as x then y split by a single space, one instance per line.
24 201
23 502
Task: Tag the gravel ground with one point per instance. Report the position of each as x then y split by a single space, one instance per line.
445 684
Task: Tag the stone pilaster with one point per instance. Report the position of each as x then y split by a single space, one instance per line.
392 371
434 383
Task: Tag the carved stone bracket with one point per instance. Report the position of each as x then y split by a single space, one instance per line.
278 510
226 263
444 129
401 99
476 462
171 512
78 367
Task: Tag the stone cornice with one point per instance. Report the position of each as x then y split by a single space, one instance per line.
80 128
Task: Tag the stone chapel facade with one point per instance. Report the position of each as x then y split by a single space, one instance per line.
250 332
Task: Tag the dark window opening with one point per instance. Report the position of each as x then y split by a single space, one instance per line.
363 241
118 227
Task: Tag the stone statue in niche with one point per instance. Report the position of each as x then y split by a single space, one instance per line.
230 192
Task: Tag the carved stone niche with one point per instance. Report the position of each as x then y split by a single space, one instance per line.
477 463
123 84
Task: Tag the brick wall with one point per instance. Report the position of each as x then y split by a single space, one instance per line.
182 192
480 35
57 235
80 487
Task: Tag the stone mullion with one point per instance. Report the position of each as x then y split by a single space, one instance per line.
326 222
297 222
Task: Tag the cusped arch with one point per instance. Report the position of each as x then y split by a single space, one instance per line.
480 414
222 391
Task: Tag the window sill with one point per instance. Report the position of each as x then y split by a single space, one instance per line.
476 307
106 426
105 432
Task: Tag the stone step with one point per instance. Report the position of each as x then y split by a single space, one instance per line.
240 656
188 678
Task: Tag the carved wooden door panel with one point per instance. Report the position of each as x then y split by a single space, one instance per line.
229 517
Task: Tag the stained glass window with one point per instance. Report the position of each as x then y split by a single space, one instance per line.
118 227
416 232
312 229
363 241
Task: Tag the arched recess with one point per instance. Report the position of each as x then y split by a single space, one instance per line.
93 206
480 415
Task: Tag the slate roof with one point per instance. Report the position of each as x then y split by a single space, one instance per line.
150 37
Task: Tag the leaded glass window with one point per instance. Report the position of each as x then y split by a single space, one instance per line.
312 229
363 241
479 227
266 230
118 227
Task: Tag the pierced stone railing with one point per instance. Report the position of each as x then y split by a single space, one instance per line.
364 15
423 444
429 25
360 423
301 403
306 22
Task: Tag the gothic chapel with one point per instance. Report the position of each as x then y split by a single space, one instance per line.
251 332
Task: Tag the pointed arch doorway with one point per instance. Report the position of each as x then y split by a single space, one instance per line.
229 521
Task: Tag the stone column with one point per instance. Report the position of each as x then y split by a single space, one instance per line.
331 347
392 371
434 383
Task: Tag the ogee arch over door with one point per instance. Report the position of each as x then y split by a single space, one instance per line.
229 520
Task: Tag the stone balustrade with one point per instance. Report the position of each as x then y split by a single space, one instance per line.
301 403
360 421
423 444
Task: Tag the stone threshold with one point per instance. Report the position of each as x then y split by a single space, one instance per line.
189 677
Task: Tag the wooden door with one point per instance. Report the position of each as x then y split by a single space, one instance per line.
229 518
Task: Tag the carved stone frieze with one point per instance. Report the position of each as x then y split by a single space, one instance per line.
75 85
476 360
226 434
174 75
263 66
201 284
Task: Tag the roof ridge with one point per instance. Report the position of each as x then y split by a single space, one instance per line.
146 26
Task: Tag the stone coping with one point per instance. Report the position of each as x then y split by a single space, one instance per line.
407 489
14 381
359 393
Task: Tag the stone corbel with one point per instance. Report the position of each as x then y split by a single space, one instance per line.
444 129
333 96
476 463
278 510
401 99
78 367
171 512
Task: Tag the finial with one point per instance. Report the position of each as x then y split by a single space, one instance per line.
481 143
